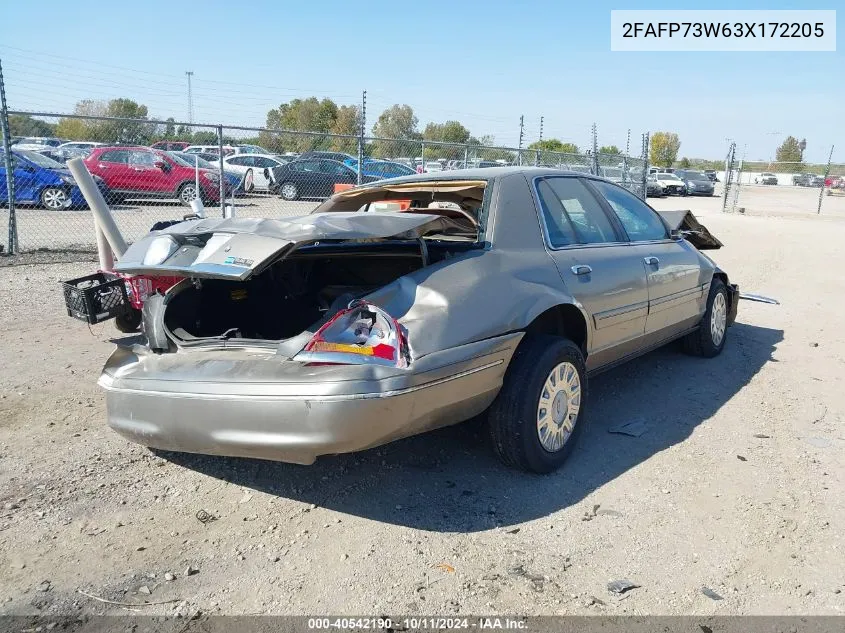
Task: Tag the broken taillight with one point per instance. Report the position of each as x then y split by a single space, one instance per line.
362 333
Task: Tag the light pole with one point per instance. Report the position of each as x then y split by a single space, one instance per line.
189 73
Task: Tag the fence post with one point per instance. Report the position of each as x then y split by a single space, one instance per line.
422 153
466 156
537 158
10 174
826 175
222 177
646 138
729 172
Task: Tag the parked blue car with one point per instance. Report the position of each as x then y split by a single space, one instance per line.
40 180
380 168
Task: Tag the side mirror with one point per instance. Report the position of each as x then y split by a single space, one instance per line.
161 165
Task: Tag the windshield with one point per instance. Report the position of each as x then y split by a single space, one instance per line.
667 177
40 159
695 175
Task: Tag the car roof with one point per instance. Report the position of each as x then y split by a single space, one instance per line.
488 173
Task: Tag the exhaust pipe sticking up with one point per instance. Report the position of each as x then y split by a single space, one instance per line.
105 224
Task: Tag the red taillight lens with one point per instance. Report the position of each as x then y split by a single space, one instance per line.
363 333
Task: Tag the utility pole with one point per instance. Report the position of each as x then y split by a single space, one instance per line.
10 174
539 145
628 143
189 73
521 131
595 169
361 133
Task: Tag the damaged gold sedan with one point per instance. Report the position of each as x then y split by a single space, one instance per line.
406 305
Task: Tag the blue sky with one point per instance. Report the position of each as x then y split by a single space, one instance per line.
482 63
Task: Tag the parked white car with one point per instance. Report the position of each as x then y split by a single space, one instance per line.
672 185
432 165
36 143
255 163
228 150
79 145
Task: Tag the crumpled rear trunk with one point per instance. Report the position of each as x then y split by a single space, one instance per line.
292 296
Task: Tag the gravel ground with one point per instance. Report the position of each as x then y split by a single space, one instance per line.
736 486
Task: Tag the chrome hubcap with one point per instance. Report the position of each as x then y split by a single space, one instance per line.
189 193
718 318
557 411
54 198
289 191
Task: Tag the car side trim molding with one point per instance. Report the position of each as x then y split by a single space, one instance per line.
107 383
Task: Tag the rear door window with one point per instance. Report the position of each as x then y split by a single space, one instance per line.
572 214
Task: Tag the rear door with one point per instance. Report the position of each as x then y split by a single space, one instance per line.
335 173
675 295
600 269
148 177
113 167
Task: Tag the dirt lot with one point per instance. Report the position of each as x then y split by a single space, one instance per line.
736 486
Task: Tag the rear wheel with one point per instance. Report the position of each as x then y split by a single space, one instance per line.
289 191
54 198
538 415
709 339
187 193
249 181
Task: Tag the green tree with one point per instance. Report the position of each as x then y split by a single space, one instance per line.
170 128
789 151
134 129
306 115
448 132
82 129
400 123
25 125
348 122
684 164
554 145
609 149
664 148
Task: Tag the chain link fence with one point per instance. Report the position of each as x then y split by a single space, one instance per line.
783 187
153 171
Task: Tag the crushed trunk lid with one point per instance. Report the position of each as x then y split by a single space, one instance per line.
695 232
237 248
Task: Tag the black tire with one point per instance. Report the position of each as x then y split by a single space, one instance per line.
54 198
249 181
513 416
701 342
129 322
289 191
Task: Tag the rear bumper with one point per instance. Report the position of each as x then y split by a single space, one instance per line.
292 419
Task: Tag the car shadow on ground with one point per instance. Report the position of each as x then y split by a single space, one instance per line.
449 480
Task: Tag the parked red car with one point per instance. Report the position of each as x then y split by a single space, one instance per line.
142 172
171 146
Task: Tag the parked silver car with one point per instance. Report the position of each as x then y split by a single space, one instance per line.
495 290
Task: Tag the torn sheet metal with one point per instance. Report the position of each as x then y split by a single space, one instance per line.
237 248
695 232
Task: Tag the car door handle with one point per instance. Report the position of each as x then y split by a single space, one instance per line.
581 269
651 261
